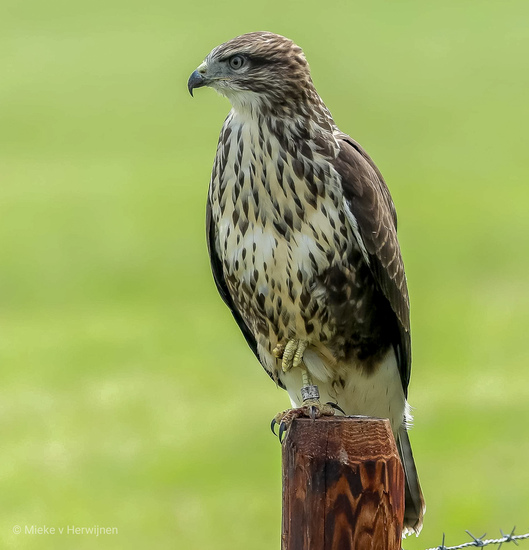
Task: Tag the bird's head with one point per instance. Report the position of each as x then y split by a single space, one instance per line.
258 70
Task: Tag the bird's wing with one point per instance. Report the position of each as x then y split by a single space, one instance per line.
372 215
218 276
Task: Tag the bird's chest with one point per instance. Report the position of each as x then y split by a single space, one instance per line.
278 227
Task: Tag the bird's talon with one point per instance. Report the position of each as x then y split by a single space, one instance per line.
298 356
336 407
282 430
291 354
312 409
288 355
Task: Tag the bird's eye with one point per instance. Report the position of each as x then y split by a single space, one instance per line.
236 62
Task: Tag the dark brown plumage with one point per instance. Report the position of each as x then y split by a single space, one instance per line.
302 234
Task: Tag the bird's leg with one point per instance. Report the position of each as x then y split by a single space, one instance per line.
292 356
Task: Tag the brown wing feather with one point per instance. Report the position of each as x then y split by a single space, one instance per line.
369 200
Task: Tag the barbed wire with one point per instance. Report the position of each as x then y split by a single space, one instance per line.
481 541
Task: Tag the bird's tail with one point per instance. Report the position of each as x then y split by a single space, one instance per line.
414 501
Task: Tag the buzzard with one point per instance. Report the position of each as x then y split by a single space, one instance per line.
302 236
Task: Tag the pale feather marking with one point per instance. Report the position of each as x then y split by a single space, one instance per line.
354 226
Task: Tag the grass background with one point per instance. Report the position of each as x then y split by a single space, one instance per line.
128 398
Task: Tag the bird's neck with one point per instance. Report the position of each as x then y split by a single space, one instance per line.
305 114
305 122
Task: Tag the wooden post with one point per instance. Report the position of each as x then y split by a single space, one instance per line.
343 485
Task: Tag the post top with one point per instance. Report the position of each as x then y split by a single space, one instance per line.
350 437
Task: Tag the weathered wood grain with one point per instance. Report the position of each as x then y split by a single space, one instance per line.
343 485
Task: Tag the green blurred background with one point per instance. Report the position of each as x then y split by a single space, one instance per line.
128 398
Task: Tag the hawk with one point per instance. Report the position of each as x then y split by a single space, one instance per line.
302 236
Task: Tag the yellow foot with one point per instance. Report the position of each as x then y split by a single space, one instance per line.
311 409
291 354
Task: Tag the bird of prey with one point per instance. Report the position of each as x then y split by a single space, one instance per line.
302 236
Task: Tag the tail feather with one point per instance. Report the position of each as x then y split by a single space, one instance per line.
414 501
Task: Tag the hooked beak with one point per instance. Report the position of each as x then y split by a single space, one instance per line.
197 79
